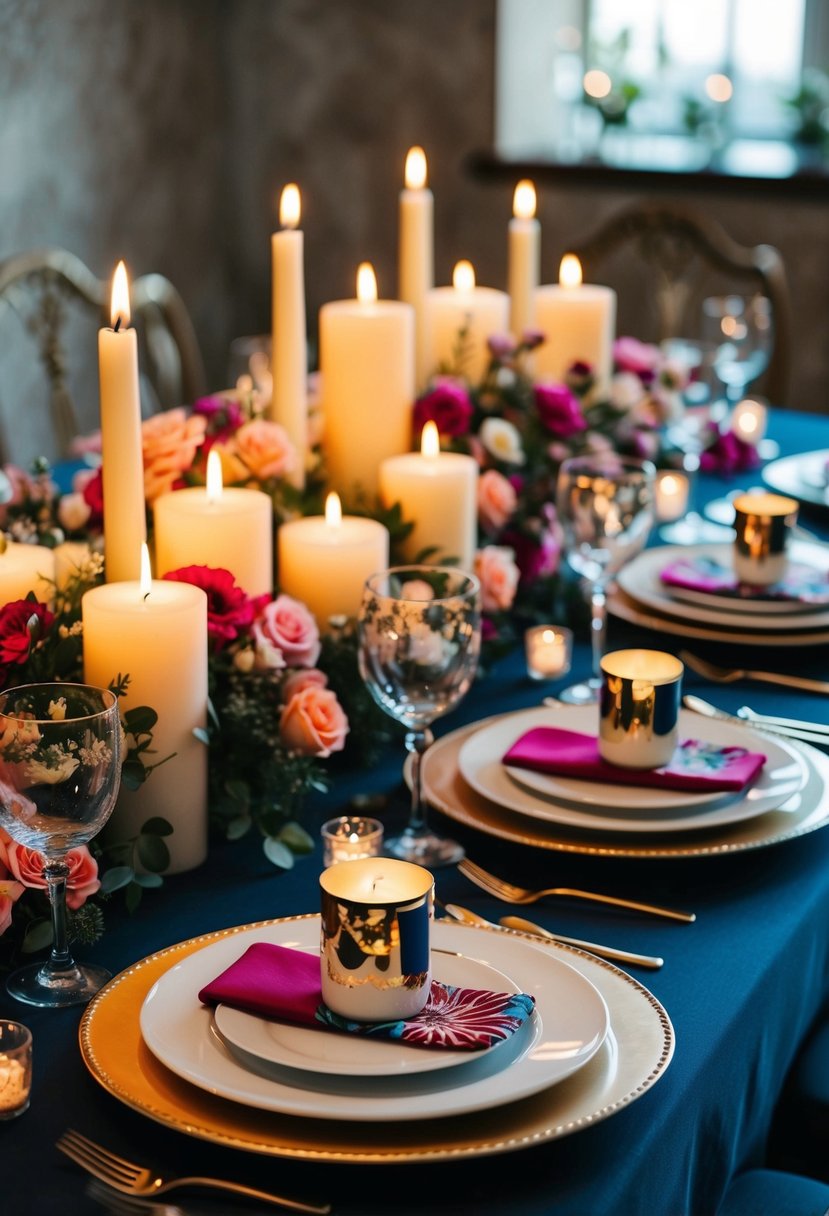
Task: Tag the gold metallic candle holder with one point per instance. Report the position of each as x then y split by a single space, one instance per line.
639 708
375 954
763 524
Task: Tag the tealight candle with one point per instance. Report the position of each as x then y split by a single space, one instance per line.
749 421
289 345
548 649
639 707
416 258
350 838
25 568
671 493
578 321
437 491
325 560
524 240
762 523
375 958
230 528
156 632
15 1068
460 320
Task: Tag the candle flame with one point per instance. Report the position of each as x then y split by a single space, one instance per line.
415 169
366 283
333 510
289 206
524 201
215 486
569 274
145 581
120 308
463 276
669 484
430 441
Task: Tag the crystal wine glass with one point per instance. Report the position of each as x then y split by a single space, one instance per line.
420 636
605 504
742 330
60 768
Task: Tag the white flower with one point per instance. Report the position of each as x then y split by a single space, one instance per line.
73 511
57 709
267 657
626 391
427 648
502 440
40 773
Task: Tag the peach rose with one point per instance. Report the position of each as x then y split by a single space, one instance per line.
73 512
169 441
298 681
265 448
27 867
313 722
496 500
495 567
286 626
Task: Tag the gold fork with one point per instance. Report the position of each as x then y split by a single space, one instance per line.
132 1179
523 895
728 675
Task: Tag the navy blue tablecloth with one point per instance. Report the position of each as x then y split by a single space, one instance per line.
741 985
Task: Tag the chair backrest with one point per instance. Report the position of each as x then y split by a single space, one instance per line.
42 285
682 249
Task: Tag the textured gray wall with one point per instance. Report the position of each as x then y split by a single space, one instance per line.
163 130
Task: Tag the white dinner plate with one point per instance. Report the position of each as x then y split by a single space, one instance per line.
623 808
628 609
640 581
802 477
567 1027
349 1055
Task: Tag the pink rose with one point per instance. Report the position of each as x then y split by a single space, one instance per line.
497 500
448 405
265 448
27 867
298 681
170 441
313 723
498 574
559 410
287 626
641 358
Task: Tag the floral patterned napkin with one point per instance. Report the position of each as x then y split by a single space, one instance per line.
276 982
802 584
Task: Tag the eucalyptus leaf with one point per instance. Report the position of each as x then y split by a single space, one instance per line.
238 827
157 827
277 853
140 720
296 838
153 853
201 734
133 774
38 937
149 880
115 878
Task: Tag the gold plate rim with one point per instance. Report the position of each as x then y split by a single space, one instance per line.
627 609
265 1143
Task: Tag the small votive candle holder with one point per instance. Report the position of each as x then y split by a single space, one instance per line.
749 421
549 650
375 958
639 708
671 493
351 838
763 524
15 1068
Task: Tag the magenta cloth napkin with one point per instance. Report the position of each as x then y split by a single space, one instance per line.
276 982
802 584
695 766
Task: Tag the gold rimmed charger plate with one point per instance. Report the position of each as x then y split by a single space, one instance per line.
628 609
635 1054
445 789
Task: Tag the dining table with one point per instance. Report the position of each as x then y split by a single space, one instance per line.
741 985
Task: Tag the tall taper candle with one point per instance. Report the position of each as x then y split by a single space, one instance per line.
289 347
524 241
416 253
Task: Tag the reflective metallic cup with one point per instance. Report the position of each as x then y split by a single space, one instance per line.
639 708
374 950
763 523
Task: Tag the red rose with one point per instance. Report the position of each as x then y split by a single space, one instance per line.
448 406
93 493
230 610
16 637
559 410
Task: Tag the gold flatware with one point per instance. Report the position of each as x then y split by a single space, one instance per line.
729 675
706 710
511 894
469 917
133 1179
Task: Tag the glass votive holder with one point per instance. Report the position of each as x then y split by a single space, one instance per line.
639 703
15 1068
549 650
351 838
672 491
763 524
375 961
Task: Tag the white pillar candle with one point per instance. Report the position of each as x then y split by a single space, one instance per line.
460 319
325 560
368 385
671 495
289 349
158 637
438 492
25 568
524 247
230 528
125 527
578 321
416 257
749 421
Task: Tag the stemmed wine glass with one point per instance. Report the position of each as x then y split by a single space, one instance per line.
742 331
605 504
419 641
60 769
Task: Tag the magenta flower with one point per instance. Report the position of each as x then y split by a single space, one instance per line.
559 410
728 454
230 610
447 405
501 346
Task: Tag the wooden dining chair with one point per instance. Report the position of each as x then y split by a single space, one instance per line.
43 287
680 256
